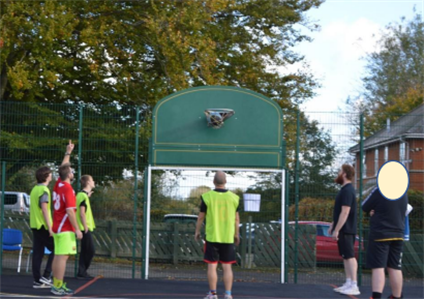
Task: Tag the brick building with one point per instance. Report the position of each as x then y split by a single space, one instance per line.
402 140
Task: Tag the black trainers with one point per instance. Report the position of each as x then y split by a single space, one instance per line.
40 285
85 276
46 281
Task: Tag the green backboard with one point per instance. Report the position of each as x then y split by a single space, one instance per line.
252 137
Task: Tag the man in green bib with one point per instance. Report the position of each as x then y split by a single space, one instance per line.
220 209
40 219
86 224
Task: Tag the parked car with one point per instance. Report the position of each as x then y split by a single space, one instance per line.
16 201
326 247
180 218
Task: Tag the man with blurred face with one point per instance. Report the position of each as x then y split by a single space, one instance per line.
343 228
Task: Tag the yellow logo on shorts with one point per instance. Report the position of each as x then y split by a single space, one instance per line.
74 248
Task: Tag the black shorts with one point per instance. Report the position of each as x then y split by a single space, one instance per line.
219 252
382 254
346 244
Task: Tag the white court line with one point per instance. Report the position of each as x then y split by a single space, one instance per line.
6 295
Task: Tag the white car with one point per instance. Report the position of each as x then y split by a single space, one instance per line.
16 201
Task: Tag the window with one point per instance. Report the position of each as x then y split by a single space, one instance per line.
386 153
10 199
402 153
376 160
364 165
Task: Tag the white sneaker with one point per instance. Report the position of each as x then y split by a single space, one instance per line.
210 296
228 296
351 290
46 281
344 286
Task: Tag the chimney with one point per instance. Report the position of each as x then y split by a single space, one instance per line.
388 125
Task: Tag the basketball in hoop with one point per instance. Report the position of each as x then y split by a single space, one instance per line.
216 116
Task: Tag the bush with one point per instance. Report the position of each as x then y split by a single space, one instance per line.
313 209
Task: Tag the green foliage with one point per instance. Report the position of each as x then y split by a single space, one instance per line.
313 209
107 57
115 200
416 218
137 52
394 81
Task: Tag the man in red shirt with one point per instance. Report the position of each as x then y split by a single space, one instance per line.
65 225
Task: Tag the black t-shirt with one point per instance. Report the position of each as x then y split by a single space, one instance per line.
388 221
346 197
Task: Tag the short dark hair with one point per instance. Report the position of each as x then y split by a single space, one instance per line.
42 174
64 171
84 180
349 170
220 178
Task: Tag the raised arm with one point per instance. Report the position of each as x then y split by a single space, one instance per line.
69 149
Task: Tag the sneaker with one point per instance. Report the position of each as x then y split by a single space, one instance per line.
339 289
228 296
46 281
210 296
40 285
62 291
351 290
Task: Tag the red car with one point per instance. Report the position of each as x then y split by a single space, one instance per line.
326 247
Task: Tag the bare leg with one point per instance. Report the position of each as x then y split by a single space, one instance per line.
378 280
228 276
212 276
351 268
59 266
346 266
396 281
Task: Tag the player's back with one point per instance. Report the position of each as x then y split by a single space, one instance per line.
63 199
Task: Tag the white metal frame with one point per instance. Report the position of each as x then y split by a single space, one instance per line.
283 193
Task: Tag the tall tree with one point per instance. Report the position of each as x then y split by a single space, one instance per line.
394 81
109 55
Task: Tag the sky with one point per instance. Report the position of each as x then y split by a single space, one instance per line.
349 30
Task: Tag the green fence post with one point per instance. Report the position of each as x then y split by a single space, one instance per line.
3 186
361 155
79 172
286 229
143 255
135 190
296 190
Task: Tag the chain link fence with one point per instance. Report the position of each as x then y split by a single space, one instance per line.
112 145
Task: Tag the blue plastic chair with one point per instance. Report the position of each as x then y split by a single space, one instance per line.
12 241
46 252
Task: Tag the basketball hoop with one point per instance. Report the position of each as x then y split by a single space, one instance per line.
216 116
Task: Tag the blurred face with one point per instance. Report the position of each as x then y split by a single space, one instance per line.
340 177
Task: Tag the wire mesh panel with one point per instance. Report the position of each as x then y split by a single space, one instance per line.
175 204
111 144
323 148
